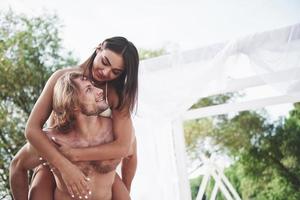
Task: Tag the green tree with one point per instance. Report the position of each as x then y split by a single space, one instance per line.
265 154
150 53
30 51
198 133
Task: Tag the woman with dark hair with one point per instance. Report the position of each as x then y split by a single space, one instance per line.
113 66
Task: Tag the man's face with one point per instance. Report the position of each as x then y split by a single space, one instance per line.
90 98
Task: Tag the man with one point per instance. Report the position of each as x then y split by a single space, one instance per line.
76 105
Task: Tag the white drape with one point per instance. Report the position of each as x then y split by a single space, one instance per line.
169 85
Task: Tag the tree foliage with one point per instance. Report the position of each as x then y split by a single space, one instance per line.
198 132
30 51
266 154
150 53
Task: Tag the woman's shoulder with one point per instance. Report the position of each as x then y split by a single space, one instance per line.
58 73
67 69
55 76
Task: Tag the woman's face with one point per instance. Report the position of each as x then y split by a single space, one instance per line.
107 65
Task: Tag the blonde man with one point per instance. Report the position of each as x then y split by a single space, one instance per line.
76 105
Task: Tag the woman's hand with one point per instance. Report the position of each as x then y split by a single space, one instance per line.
75 181
65 149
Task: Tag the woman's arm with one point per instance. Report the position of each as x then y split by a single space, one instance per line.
36 121
74 179
129 165
119 190
119 148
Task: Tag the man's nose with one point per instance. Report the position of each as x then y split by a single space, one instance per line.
99 91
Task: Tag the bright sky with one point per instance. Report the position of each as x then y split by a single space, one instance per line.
173 24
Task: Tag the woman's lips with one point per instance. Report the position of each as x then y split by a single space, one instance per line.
100 75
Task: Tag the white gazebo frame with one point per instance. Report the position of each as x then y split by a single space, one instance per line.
232 86
170 179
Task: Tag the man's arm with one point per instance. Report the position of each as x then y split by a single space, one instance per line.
27 158
129 165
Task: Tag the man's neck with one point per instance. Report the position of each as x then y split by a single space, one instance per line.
86 126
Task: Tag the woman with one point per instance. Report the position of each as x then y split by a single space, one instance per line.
113 67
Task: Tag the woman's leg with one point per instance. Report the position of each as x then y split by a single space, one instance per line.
119 191
42 184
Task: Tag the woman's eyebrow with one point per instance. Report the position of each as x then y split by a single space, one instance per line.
107 60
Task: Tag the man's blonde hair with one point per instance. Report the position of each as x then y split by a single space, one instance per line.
65 99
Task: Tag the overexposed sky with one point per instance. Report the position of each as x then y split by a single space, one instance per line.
173 24
152 24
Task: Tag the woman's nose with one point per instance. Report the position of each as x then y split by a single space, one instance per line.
106 71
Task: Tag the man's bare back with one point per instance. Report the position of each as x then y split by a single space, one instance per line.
101 173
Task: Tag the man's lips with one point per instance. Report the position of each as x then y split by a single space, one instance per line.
100 99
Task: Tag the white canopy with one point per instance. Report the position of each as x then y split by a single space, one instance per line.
170 84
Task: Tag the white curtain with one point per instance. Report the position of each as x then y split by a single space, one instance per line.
169 85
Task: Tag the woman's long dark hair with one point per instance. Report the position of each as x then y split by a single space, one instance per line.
126 84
